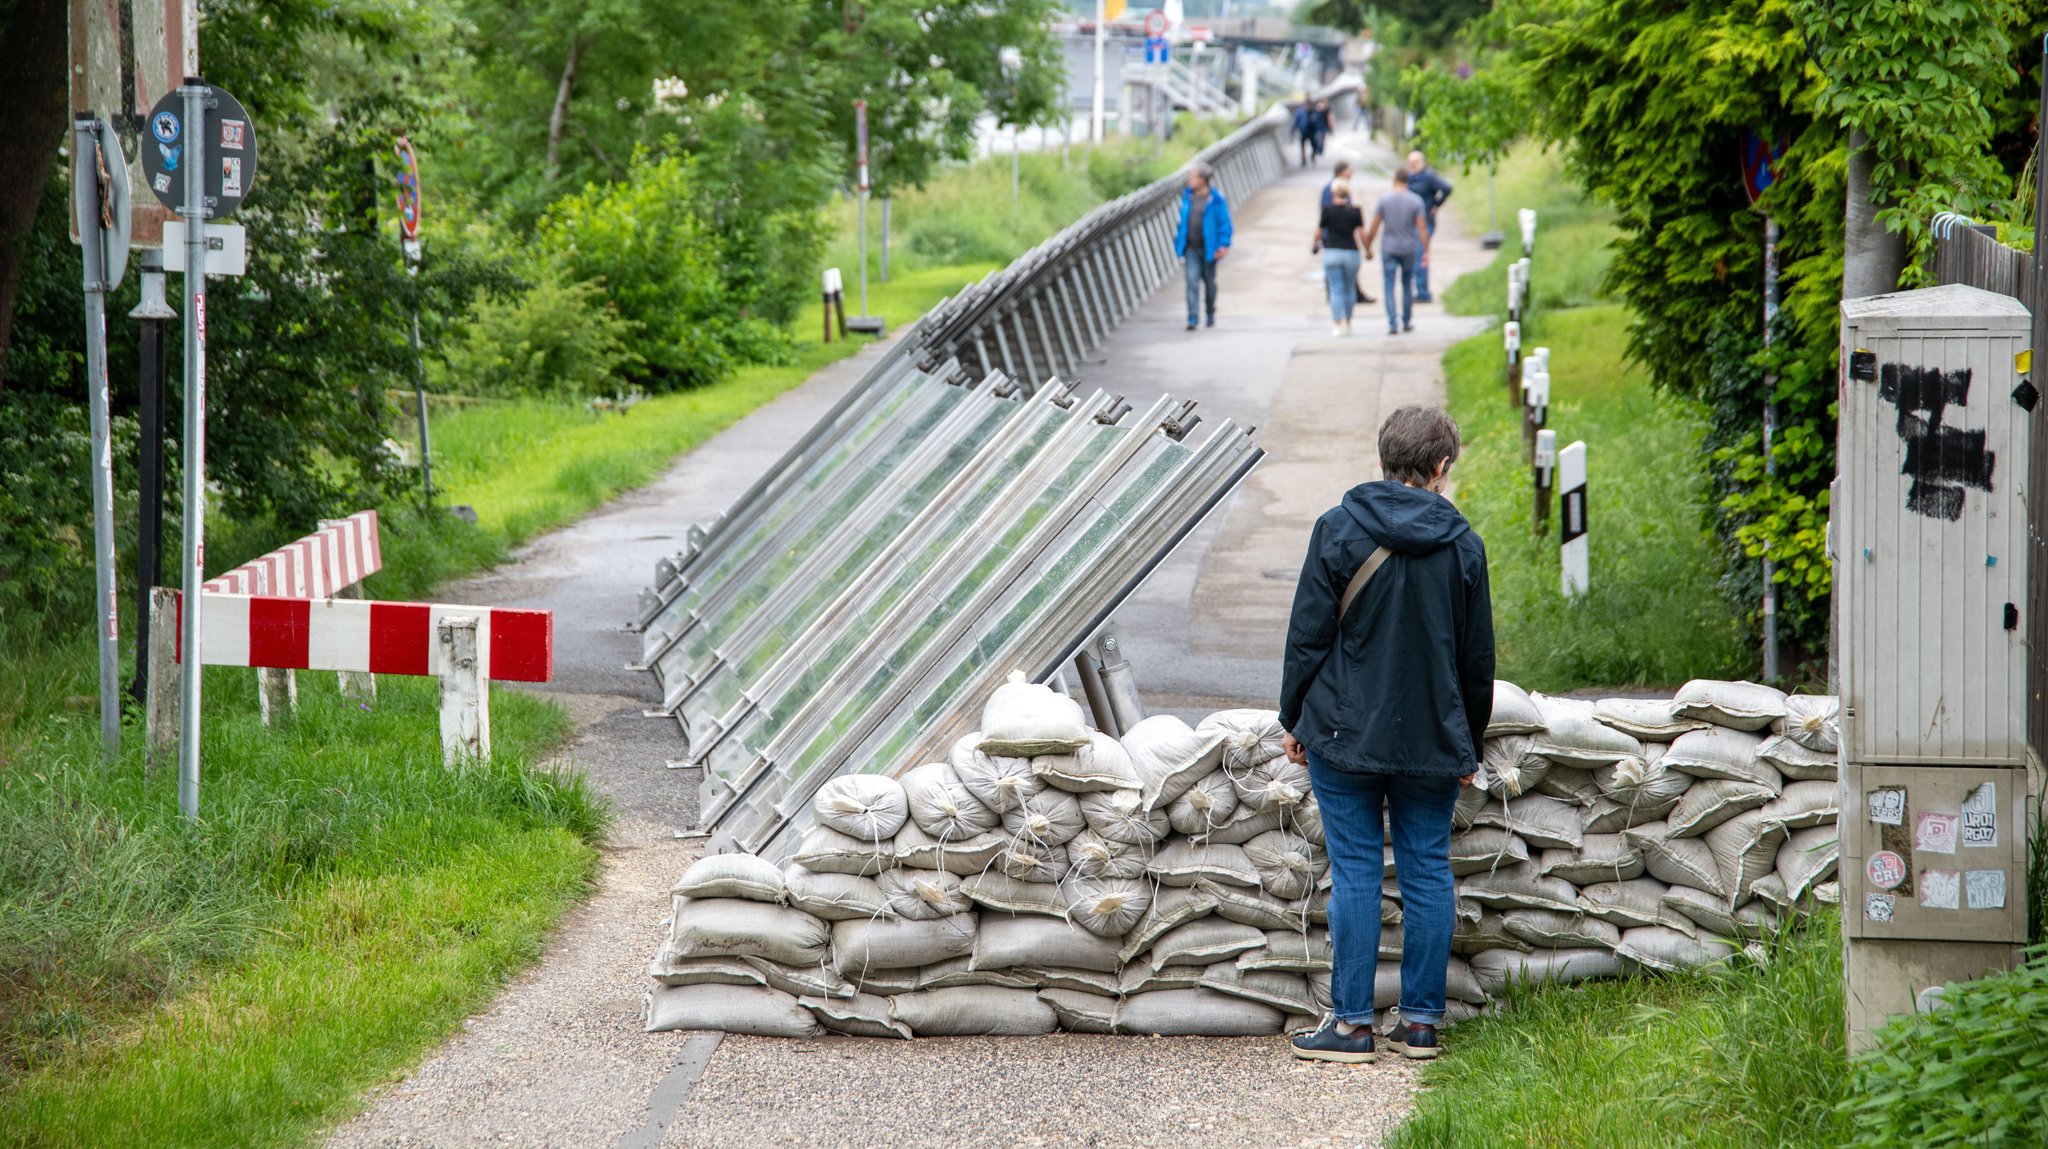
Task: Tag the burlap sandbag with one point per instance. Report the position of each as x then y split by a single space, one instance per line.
752 1010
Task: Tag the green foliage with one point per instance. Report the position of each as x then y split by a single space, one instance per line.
1431 23
554 339
1746 1056
46 512
1975 1073
1471 119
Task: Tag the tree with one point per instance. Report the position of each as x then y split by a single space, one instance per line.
32 56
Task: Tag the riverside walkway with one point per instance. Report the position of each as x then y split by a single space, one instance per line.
559 1060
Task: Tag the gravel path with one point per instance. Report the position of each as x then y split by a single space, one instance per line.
559 1058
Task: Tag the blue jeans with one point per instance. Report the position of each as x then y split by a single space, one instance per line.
1406 266
1340 271
1419 810
1201 275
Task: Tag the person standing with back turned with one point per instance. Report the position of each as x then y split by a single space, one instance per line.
1385 694
1401 212
1201 239
1433 189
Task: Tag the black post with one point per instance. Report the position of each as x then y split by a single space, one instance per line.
150 313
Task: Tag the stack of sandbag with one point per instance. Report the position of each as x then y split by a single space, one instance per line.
1048 876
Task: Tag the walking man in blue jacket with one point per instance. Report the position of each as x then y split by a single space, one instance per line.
1385 693
1201 239
1430 184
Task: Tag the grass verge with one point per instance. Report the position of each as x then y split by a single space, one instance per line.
1751 1056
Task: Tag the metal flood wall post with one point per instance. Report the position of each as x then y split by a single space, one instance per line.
1119 684
194 96
1090 673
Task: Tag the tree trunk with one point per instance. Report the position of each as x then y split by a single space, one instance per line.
33 56
560 115
1872 258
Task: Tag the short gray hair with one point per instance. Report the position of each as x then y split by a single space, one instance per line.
1198 168
1414 440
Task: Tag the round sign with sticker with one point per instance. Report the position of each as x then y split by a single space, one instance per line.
164 126
1885 870
227 142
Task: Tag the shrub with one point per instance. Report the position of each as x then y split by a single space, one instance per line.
555 339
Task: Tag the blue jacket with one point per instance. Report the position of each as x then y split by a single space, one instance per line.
1405 684
1215 223
1434 190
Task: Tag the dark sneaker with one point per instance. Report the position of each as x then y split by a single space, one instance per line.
1191 325
1414 1041
1212 319
1407 327
1326 1044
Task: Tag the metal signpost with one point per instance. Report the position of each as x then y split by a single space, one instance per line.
199 154
860 144
99 200
1757 161
409 241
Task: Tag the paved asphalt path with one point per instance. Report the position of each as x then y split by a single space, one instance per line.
559 1060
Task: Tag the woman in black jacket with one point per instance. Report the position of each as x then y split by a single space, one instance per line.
1385 693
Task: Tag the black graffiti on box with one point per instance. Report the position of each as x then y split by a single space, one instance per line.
1943 461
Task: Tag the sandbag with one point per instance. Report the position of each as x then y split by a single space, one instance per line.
1798 763
1171 906
1288 866
870 807
1006 942
915 848
751 1010
1513 711
1275 784
1107 906
835 897
818 980
1182 863
1204 942
899 943
1607 816
1497 970
1771 888
1813 721
999 891
1807 859
1286 992
1721 753
1122 816
1509 766
1560 929
734 927
1518 887
1256 907
732 876
961 971
1489 932
1539 819
1642 781
1103 764
923 895
1207 805
889 982
1306 820
1084 980
1569 784
998 781
1572 736
1471 800
1678 861
1712 801
1600 858
1169 757
1663 948
1804 805
1648 719
1094 856
1745 849
976 1009
1196 1013
1048 818
1250 737
825 850
671 970
1022 719
1485 848
1244 825
1634 902
862 1015
1028 861
1142 978
1733 705
941 804
1080 1012
1299 951
1713 915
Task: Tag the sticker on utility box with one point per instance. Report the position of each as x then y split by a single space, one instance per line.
1887 807
1885 870
1935 833
1877 907
1980 817
1941 889
1985 889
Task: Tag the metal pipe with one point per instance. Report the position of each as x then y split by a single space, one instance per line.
195 93
1118 682
1098 697
1770 595
90 204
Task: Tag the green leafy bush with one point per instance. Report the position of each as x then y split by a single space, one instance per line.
1975 1073
554 339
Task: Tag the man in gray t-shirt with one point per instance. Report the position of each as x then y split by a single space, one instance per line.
1403 215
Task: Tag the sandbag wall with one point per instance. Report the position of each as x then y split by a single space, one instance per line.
1047 876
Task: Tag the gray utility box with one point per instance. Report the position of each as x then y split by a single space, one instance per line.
1928 537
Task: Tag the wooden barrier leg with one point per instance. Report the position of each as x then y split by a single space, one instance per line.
160 742
361 685
465 695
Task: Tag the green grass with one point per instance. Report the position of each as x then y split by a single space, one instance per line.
1573 237
1750 1057
343 902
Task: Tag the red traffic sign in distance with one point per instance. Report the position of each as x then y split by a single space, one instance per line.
1155 23
1759 163
408 189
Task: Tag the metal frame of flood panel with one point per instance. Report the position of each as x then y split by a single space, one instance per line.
909 705
1931 525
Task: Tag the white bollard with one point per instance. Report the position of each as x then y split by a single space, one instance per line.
1571 482
465 692
1544 466
1537 397
1511 335
1539 359
1527 218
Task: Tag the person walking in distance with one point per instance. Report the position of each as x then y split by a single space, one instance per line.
1202 239
1319 128
1343 172
1340 172
1401 213
1430 185
1385 693
1340 234
1304 128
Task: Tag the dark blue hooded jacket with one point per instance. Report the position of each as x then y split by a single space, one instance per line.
1407 687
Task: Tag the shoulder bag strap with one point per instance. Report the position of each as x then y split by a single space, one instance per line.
1372 564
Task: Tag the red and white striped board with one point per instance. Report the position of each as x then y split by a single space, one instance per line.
367 636
342 553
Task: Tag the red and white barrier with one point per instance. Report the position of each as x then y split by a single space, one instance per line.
342 553
372 637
